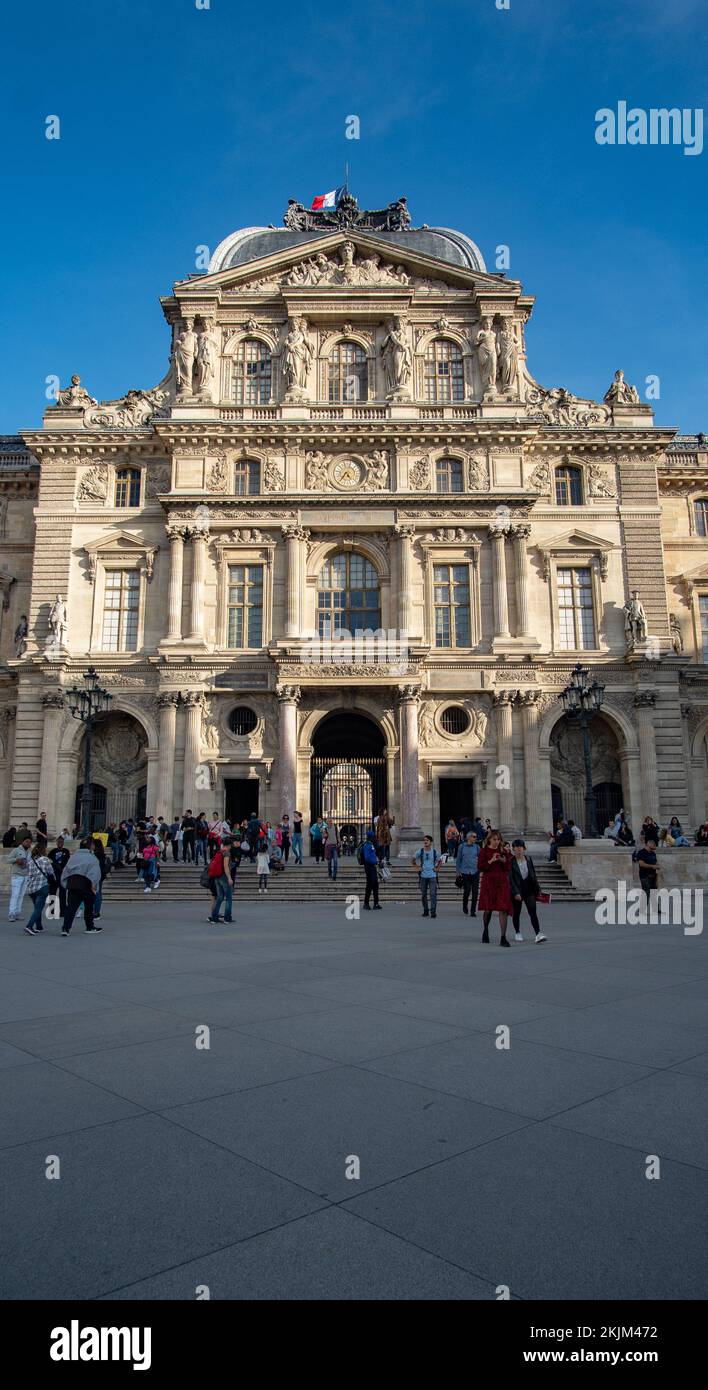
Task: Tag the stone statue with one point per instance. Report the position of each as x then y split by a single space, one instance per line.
396 356
426 728
487 357
508 357
377 477
620 392
676 638
57 623
316 475
21 636
635 620
185 353
481 720
75 397
295 216
297 356
398 217
205 358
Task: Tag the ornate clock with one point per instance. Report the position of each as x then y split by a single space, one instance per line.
347 473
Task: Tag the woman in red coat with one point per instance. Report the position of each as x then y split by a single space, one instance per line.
495 893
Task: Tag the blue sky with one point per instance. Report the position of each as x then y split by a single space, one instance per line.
180 124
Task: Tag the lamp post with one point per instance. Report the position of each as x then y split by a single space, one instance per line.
85 703
581 701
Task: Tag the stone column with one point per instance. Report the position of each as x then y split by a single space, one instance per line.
294 537
644 702
167 702
497 536
533 783
8 732
503 704
53 706
410 834
200 537
176 536
521 534
288 700
405 569
193 702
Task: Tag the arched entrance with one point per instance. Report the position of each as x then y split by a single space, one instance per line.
348 772
568 772
118 769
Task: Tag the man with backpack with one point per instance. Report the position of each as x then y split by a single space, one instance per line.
367 856
219 877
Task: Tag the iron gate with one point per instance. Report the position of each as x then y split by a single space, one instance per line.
348 791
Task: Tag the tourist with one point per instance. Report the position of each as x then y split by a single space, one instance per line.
297 837
105 866
701 838
174 838
370 860
645 859
188 828
262 865
254 834
576 831
214 829
82 879
479 830
452 839
19 860
384 822
285 836
40 882
220 876
8 839
42 831
316 833
201 835
650 829
467 865
150 864
525 890
676 832
332 851
426 861
495 894
609 832
59 858
624 832
562 839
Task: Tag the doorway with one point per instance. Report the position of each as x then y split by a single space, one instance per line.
456 802
348 773
241 797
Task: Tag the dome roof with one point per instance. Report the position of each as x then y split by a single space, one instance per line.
253 243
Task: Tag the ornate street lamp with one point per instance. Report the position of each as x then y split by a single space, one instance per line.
86 703
581 701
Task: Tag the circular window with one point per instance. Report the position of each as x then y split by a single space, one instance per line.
242 720
455 720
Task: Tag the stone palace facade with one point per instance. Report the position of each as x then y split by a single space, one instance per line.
348 552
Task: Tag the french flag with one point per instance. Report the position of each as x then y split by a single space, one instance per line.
327 200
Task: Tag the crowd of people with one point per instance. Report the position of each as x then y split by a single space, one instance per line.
493 875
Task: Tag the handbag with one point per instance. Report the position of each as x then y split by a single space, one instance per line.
543 898
385 872
459 881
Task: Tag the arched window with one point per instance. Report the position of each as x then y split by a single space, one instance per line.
128 487
700 515
251 380
569 487
448 475
348 595
347 374
247 477
443 373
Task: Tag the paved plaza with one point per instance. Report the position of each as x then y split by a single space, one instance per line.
337 1046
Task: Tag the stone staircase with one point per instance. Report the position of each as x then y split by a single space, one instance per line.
311 883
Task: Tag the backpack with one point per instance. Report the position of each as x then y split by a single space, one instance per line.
216 868
360 855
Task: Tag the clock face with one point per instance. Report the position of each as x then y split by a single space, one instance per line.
347 473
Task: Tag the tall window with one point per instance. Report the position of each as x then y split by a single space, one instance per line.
569 487
128 487
575 609
245 606
247 477
448 475
443 372
347 373
451 596
700 513
120 611
251 378
703 609
348 595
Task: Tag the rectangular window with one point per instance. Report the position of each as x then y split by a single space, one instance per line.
576 618
245 606
120 611
247 478
451 599
703 608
